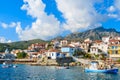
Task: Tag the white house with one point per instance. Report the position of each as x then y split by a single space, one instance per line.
56 44
105 39
85 46
63 43
99 47
117 38
94 50
87 40
74 44
53 54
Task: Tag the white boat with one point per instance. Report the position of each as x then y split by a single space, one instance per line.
5 65
8 65
62 67
14 66
94 68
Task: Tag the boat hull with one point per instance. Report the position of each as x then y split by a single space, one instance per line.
102 71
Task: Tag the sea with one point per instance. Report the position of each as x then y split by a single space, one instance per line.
28 72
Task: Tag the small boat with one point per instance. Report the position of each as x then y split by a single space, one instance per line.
14 66
62 67
5 65
8 65
94 68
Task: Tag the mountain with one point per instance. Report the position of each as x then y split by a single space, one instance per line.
19 44
94 34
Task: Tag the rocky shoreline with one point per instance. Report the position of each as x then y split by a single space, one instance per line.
48 63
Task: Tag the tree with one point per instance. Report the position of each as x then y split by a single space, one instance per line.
79 52
88 56
21 55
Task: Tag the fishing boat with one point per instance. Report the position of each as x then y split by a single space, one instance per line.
94 68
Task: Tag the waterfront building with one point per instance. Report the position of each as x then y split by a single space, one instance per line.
42 53
74 44
56 44
94 50
33 54
14 52
67 50
63 42
99 47
87 40
53 54
85 46
114 49
37 46
117 38
105 39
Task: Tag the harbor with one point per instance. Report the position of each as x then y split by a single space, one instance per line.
27 72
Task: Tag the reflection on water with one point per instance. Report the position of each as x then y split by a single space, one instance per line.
27 72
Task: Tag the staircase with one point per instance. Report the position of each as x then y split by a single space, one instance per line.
83 61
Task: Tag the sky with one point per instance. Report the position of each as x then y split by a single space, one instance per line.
46 19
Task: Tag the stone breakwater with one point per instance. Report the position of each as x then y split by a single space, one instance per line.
19 61
54 64
48 62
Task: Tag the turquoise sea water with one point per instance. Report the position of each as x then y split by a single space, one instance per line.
27 72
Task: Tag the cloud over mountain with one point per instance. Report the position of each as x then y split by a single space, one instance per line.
44 27
79 15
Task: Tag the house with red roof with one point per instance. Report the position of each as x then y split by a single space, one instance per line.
99 47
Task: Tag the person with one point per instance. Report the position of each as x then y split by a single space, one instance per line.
109 67
112 66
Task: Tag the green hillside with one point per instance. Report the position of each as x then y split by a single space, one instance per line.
19 45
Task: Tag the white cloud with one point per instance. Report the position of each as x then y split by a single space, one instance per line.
4 40
80 14
35 8
111 9
18 28
113 15
114 10
4 25
11 25
45 26
117 4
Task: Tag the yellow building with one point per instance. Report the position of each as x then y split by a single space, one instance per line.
114 51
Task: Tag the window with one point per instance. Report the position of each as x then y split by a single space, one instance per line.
102 47
113 52
116 47
116 52
72 49
112 47
52 54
